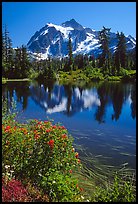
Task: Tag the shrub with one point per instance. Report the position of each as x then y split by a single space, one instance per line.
42 152
14 191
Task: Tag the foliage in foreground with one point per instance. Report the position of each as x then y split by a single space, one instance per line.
42 153
13 191
41 161
118 191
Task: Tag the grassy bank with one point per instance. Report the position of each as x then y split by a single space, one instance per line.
85 76
8 80
89 75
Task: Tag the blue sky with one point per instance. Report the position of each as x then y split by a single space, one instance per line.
23 19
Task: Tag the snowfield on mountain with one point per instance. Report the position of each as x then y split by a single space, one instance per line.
52 41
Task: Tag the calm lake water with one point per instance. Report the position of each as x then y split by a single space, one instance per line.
101 116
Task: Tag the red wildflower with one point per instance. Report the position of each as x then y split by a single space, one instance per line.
70 171
54 126
64 136
13 191
62 127
77 155
39 123
51 144
25 132
35 131
48 130
7 129
37 136
15 128
81 189
79 161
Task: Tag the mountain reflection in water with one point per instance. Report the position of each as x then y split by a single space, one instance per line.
64 98
101 116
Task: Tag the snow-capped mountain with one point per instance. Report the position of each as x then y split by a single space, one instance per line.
52 40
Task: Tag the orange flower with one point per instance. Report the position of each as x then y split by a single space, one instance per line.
73 149
41 127
37 136
70 171
15 128
79 161
25 132
64 136
81 189
77 155
62 127
54 126
48 130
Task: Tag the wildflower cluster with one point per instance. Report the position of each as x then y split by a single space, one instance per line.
13 191
42 152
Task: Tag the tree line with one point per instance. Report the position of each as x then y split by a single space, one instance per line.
16 62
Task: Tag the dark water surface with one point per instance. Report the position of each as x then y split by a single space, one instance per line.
101 116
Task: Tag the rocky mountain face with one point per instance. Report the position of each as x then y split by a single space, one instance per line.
52 40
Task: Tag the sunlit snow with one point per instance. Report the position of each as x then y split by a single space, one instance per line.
64 31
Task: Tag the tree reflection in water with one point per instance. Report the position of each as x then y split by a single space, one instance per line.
70 99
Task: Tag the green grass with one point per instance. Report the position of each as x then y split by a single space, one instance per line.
4 80
93 74
105 182
26 79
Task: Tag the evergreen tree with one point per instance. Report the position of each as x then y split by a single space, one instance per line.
24 61
70 53
17 63
80 61
104 41
85 60
6 33
10 53
3 55
93 61
7 53
120 53
3 49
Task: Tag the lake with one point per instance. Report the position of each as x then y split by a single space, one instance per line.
101 116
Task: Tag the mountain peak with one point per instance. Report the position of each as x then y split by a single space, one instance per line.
72 23
52 40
